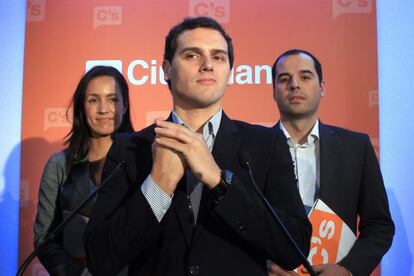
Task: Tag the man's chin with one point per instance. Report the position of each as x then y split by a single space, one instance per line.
200 103
297 114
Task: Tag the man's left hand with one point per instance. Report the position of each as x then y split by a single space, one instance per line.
192 147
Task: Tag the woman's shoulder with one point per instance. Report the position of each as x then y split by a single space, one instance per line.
56 163
58 158
54 174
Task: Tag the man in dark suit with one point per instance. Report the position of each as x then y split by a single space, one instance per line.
336 165
183 204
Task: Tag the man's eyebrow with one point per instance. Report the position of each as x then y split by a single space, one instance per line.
198 50
306 71
190 49
282 75
219 51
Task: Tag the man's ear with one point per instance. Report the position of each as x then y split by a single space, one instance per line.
274 90
166 68
323 88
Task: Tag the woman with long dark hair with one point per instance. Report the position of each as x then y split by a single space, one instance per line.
100 108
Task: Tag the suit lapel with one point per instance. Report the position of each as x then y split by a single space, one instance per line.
328 166
227 144
76 188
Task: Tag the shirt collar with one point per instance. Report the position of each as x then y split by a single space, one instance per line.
315 130
313 135
210 127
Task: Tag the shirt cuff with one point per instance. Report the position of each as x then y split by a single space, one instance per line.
157 199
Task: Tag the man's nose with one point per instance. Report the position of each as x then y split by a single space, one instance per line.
294 84
207 64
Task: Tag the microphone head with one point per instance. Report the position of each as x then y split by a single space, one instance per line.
245 159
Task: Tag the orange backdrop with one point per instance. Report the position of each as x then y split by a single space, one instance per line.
64 37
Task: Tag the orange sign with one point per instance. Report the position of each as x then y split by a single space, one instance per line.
326 236
331 238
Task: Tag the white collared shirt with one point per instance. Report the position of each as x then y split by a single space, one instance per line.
306 161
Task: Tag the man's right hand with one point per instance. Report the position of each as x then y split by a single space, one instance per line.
167 168
275 270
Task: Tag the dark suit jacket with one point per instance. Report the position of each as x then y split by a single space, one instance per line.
235 237
351 185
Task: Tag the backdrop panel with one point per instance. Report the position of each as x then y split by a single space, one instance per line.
63 38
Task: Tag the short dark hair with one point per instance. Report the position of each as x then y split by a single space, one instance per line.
77 140
317 64
191 23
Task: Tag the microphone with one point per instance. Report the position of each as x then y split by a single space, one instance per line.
62 225
246 163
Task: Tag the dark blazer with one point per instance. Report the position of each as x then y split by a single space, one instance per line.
235 237
351 185
59 194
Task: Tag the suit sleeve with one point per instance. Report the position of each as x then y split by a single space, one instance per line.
242 209
376 228
122 225
52 255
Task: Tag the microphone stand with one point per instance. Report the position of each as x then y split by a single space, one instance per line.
245 161
62 225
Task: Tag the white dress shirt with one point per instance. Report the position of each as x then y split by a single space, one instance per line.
306 161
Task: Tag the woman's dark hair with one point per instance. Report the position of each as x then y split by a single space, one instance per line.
77 140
